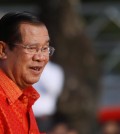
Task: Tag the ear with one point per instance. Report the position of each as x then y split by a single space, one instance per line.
2 50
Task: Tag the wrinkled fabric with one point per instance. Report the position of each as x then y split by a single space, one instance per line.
16 115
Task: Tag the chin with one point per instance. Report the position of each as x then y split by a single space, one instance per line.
31 79
34 81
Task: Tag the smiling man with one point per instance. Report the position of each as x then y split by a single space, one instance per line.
24 52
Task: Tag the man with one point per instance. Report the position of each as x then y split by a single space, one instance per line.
24 52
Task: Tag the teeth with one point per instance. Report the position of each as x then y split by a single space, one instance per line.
36 68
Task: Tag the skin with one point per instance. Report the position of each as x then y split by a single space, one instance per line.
111 127
60 129
20 66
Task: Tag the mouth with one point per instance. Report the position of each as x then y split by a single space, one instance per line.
36 68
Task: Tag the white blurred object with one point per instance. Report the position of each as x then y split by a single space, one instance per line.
49 87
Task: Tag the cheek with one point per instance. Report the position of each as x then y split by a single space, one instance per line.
47 59
22 62
25 59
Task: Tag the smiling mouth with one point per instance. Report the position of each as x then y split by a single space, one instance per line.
36 68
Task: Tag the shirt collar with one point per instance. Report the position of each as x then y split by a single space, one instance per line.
13 92
31 94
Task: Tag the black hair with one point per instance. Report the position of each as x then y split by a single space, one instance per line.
9 26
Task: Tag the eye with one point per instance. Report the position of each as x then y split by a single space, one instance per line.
45 48
31 48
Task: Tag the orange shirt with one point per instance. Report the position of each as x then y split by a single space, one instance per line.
16 115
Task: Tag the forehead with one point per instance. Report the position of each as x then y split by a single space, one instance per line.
33 32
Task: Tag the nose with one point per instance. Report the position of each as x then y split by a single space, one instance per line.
40 57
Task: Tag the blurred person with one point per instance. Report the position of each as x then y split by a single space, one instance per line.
24 52
72 131
59 125
110 127
50 87
60 128
62 125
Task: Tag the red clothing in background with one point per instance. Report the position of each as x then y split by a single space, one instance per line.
16 115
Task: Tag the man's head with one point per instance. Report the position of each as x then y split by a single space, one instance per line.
10 26
24 47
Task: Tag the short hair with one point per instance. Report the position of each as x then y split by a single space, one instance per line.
9 26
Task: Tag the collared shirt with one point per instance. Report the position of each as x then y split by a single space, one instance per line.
16 115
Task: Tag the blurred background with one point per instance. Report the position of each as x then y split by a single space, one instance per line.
80 87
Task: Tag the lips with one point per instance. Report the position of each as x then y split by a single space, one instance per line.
36 68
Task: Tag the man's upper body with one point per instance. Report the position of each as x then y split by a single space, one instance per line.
15 108
24 52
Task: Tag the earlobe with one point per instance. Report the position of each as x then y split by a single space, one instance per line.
2 50
3 56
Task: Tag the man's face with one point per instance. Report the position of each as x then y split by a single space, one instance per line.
25 68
